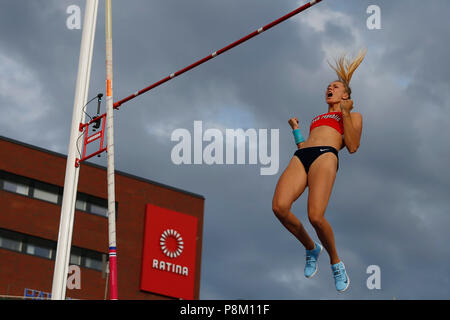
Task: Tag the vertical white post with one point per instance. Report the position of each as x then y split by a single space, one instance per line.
110 167
71 178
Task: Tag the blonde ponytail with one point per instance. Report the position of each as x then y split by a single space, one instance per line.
345 68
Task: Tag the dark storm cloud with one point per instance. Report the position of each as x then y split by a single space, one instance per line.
389 206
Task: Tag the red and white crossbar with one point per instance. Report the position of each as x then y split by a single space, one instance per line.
219 52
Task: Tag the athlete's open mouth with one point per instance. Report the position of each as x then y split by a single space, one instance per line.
330 94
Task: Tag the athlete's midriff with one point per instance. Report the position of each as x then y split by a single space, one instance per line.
324 136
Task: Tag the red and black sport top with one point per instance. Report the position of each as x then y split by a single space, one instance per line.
332 119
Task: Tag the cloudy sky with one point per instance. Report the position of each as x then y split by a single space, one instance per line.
389 206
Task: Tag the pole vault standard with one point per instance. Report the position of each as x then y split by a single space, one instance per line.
72 172
219 52
110 167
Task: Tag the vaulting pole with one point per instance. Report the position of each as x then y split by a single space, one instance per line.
110 148
215 54
71 178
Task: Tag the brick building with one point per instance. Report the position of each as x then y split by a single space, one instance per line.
159 230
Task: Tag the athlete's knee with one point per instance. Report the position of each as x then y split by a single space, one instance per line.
280 209
317 221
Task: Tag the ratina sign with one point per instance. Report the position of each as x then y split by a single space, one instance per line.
169 253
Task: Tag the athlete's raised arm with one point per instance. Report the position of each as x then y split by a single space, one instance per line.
352 126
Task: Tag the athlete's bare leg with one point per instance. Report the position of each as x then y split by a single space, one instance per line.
290 186
321 177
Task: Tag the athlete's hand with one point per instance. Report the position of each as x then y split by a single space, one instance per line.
346 105
293 122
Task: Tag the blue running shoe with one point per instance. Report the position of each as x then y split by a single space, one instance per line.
341 279
311 260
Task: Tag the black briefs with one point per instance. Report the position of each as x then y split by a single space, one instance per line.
308 155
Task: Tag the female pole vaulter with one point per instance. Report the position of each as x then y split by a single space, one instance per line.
315 164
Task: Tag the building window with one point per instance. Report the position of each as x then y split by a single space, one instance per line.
46 192
75 256
87 258
81 205
99 210
15 187
92 204
11 242
39 251
93 263
51 193
47 249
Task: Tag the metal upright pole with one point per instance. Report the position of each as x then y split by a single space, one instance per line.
110 148
71 178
